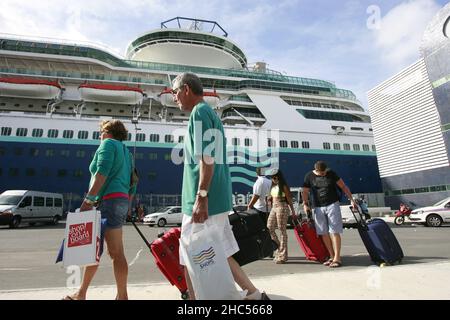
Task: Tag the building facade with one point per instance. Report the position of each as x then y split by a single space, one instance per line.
411 123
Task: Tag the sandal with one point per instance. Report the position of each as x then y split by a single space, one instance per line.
328 262
335 264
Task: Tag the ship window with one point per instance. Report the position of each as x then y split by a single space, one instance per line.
83 135
121 111
77 174
336 146
366 147
154 137
65 153
167 156
326 146
38 201
2 151
80 154
169 138
1 171
96 135
108 110
140 137
37 133
45 172
17 105
139 155
61 173
49 202
271 143
58 202
346 146
6 131
356 147
21 132
356 129
152 156
283 143
180 139
52 133
68 134
13 172
235 142
30 172
248 142
129 136
294 144
305 144
49 153
374 149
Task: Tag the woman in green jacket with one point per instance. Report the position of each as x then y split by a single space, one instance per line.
110 186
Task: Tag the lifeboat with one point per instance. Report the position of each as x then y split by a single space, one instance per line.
109 93
29 88
166 98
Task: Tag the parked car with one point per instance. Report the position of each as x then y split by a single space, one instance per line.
165 215
17 206
433 216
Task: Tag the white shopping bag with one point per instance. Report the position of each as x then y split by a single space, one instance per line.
82 238
207 264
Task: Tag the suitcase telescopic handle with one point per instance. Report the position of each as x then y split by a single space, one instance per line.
142 235
361 220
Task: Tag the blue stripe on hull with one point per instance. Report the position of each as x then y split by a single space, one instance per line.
161 176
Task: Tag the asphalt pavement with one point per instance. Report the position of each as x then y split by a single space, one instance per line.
27 269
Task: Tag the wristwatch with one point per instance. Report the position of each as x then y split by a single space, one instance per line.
202 193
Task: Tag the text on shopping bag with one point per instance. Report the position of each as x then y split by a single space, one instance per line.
80 234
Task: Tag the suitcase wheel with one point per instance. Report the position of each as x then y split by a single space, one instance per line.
185 295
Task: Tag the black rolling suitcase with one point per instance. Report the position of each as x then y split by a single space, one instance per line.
379 240
252 237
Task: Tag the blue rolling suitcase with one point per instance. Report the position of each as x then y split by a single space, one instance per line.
379 240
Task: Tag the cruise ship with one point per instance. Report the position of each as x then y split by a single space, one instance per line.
54 93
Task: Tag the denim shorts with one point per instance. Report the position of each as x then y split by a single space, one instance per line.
328 219
114 211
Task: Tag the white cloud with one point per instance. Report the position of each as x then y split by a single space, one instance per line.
402 29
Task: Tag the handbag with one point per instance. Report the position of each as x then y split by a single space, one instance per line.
82 238
207 264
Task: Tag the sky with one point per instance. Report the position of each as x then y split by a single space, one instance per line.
355 44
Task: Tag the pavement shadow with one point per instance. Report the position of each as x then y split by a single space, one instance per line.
37 226
364 260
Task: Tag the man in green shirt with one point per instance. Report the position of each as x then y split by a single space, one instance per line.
206 190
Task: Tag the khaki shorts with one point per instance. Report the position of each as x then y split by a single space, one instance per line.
221 220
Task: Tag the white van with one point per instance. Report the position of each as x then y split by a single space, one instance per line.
18 206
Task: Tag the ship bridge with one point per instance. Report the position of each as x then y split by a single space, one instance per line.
186 41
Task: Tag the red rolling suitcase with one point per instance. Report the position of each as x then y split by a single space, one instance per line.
165 251
311 244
